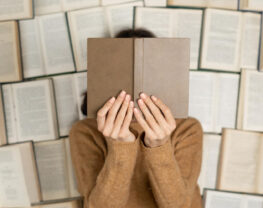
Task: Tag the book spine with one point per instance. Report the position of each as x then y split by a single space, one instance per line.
138 68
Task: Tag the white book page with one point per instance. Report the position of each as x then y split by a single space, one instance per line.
47 6
9 109
194 3
239 161
227 98
121 16
254 202
159 21
15 9
187 24
201 98
158 3
250 40
81 84
221 36
84 24
56 44
78 4
255 4
13 189
72 177
34 103
225 4
9 63
210 158
33 64
111 2
66 102
51 162
253 101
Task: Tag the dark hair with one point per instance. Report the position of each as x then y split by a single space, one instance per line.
127 33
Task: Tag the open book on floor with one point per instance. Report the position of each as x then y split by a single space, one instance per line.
10 61
256 5
3 136
30 111
13 10
240 163
156 66
18 175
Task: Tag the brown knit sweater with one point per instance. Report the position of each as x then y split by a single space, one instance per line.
118 174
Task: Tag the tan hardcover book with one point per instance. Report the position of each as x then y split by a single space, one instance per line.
2 122
240 165
156 66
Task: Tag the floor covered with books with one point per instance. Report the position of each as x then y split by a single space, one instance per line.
43 79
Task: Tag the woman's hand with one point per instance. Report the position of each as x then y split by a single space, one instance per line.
116 125
156 126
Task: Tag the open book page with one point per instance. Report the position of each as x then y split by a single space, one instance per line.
253 100
187 24
73 188
34 110
9 109
225 4
157 20
56 44
80 84
211 150
255 4
86 24
66 102
239 161
18 9
33 64
3 136
47 6
13 189
78 4
260 168
227 99
201 98
120 17
10 66
192 3
111 2
221 37
158 3
250 40
52 166
30 171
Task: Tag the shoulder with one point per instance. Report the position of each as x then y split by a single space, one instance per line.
188 127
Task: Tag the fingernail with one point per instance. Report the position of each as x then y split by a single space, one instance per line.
143 95
131 103
135 110
154 98
112 99
127 97
122 93
140 101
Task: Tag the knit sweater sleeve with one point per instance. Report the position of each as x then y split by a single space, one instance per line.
104 182
174 167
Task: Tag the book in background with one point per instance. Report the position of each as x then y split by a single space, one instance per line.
55 168
240 164
14 10
179 23
226 199
10 61
151 65
30 111
46 45
18 175
210 157
230 40
155 3
250 112
97 22
3 136
223 4
55 6
112 2
256 5
75 202
69 95
213 99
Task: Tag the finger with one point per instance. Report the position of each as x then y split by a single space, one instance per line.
156 112
150 119
128 117
120 117
166 111
143 123
101 114
113 111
